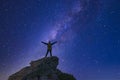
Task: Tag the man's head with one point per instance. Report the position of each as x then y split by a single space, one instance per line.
49 42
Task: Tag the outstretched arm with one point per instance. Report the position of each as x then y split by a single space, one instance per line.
54 42
43 42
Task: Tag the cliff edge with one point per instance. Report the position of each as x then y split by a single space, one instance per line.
42 69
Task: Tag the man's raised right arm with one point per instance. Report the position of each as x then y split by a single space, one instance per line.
43 42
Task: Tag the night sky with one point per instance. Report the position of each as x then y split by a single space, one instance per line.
87 31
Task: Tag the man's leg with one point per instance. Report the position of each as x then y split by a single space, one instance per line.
50 52
47 53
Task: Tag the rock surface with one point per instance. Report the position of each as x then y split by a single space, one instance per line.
42 69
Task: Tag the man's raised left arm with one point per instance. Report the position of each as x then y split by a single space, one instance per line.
54 42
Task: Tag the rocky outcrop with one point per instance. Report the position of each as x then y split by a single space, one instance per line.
42 69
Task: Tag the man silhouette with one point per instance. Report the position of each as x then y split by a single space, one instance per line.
49 47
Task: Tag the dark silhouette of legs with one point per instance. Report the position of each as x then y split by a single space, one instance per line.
50 52
47 53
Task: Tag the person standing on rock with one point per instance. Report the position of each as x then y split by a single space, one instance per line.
49 47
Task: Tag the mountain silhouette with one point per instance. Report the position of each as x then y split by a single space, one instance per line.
42 69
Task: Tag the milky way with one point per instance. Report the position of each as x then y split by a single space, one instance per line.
64 29
87 32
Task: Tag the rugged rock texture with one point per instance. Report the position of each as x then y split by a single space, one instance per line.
43 69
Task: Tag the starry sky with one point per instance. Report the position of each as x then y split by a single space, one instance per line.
87 31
